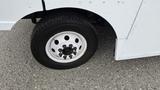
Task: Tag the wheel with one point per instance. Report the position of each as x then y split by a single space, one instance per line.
63 41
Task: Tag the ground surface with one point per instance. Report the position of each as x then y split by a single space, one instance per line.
20 71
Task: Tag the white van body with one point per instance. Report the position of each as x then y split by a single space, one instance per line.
136 22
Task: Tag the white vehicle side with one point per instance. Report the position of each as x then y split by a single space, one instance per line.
135 22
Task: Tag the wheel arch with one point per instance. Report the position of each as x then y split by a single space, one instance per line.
86 13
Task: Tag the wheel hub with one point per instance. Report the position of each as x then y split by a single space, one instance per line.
66 47
67 51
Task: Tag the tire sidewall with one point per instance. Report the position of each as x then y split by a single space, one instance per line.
41 38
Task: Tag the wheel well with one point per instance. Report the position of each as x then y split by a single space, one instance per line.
94 18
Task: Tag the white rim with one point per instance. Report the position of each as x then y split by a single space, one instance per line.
66 47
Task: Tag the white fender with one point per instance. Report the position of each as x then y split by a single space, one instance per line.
119 13
13 10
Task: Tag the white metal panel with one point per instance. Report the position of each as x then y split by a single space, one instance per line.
144 39
119 13
6 25
13 10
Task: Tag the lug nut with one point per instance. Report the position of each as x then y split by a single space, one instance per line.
64 46
70 45
64 57
60 54
74 48
60 50
74 53
70 56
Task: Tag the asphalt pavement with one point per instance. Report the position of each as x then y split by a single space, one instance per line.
20 71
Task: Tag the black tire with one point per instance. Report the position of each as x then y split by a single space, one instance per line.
50 26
